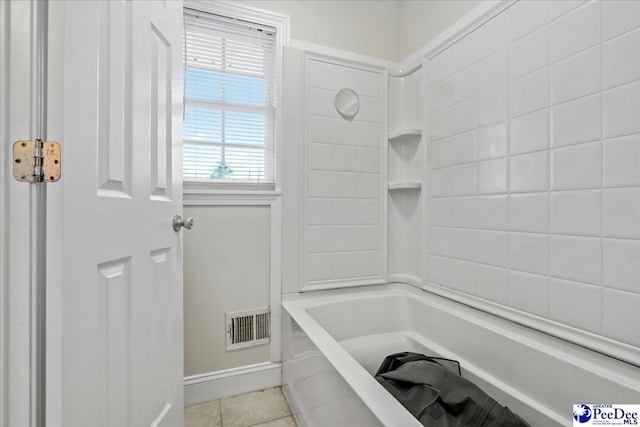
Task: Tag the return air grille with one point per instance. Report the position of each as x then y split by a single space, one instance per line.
248 328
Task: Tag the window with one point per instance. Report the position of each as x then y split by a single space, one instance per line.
230 100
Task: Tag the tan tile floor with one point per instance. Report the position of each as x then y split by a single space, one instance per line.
264 408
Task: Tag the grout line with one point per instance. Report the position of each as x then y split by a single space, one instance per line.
508 173
539 192
549 162
270 420
602 187
611 38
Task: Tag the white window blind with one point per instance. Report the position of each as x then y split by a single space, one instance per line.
230 100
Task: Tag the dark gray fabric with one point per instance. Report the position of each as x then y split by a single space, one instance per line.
440 397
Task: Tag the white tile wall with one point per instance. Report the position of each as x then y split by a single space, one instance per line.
529 212
621 59
529 93
621 107
620 315
439 270
493 71
576 258
529 133
529 252
577 121
345 211
440 240
529 172
527 18
463 212
534 198
463 276
493 248
559 8
578 166
463 244
622 213
492 176
344 177
576 304
621 269
492 283
529 53
464 180
492 212
576 76
492 141
576 212
492 106
575 31
441 154
619 16
529 292
463 148
622 161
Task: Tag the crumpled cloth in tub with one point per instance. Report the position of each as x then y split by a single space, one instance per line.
439 397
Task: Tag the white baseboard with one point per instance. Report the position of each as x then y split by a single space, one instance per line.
231 382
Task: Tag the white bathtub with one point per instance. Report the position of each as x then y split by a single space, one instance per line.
333 342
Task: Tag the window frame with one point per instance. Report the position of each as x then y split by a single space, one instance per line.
195 192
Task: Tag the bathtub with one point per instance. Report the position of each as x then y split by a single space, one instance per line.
333 342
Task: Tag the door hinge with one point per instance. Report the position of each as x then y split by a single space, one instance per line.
36 161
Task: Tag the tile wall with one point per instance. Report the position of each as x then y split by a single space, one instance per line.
344 198
534 164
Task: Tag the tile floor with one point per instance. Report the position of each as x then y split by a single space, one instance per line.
265 408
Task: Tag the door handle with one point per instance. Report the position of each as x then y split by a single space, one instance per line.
178 223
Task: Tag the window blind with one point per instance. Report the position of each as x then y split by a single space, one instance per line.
230 100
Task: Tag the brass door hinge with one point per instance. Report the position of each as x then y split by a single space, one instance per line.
36 161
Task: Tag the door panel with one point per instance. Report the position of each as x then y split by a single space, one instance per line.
114 99
121 260
114 285
161 334
160 113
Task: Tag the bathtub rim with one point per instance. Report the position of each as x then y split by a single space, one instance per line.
297 306
607 347
388 411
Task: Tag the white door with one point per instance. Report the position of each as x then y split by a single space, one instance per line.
114 260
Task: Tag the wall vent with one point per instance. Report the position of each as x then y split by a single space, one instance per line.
248 328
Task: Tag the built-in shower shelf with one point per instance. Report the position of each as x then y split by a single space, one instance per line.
405 185
405 135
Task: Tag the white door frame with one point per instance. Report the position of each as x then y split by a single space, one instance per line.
18 120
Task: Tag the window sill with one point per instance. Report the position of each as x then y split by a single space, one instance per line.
242 195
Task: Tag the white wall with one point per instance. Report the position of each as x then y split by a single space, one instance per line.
390 30
365 27
226 269
534 128
420 21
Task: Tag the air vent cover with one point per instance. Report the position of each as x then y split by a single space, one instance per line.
248 328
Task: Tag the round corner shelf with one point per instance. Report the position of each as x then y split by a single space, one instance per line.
405 185
405 135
